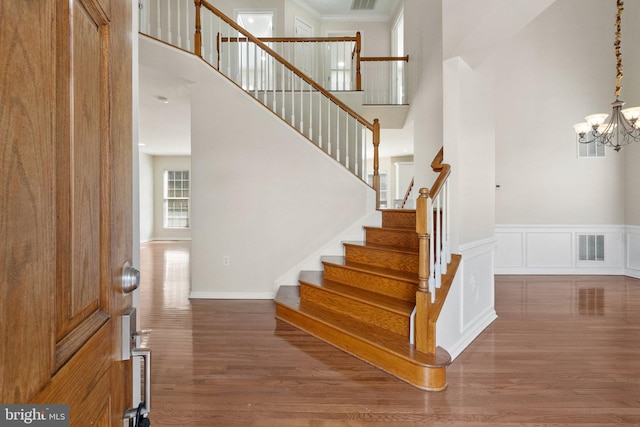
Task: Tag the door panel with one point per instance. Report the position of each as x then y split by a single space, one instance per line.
65 216
82 172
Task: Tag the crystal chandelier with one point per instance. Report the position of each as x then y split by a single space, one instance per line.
623 126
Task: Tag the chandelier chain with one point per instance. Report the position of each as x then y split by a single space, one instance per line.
617 43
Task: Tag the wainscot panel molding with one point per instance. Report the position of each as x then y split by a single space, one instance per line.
553 249
632 263
469 308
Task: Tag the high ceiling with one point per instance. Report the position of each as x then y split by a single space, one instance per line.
341 9
472 30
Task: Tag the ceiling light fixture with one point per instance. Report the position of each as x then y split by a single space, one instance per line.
623 126
163 99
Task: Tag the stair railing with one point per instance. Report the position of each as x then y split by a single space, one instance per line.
433 229
384 79
299 100
333 62
254 66
407 194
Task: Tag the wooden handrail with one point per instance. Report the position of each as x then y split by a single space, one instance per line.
384 58
407 193
293 39
444 170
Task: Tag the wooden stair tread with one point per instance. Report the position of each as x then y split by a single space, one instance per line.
379 338
380 271
394 228
316 278
390 248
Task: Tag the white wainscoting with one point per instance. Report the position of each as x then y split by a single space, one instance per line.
632 264
553 249
469 307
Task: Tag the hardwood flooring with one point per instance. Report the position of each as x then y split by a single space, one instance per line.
564 351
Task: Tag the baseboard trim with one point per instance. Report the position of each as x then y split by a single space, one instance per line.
472 332
232 295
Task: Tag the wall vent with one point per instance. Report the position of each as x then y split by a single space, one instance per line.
363 5
591 247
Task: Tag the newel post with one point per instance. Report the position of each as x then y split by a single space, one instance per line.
425 327
197 38
358 74
376 161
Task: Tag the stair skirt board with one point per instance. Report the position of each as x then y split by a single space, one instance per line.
422 370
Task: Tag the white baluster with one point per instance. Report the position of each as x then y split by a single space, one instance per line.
448 222
282 92
438 240
247 82
159 21
365 147
255 70
346 140
310 112
432 270
356 170
188 25
329 126
213 54
178 26
320 120
301 106
338 109
169 35
293 100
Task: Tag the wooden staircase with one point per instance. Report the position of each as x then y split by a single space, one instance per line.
362 302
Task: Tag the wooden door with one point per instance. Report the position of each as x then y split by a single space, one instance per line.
65 204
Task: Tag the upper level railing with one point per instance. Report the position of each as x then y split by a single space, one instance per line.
384 79
333 62
433 229
262 72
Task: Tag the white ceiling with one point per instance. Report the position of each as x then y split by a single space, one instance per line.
341 9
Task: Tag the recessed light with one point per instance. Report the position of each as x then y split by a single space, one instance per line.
163 99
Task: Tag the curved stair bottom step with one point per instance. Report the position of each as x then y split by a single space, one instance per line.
425 371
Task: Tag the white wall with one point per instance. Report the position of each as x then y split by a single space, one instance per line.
548 195
293 10
631 94
543 87
423 44
263 195
146 192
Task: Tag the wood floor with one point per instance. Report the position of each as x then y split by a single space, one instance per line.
565 351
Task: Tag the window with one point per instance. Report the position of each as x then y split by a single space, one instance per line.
384 187
176 199
592 149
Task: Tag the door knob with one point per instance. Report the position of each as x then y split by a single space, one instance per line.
130 278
